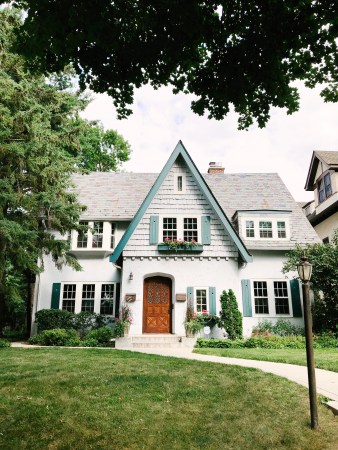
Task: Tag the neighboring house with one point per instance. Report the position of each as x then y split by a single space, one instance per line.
322 179
244 224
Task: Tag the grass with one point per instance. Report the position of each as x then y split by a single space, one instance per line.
108 399
326 358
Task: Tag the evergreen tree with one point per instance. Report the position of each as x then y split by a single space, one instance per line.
40 148
230 315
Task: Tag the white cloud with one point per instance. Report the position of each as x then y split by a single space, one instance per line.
285 146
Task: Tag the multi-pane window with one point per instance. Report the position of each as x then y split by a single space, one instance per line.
265 229
169 228
68 297
82 238
112 236
261 297
324 188
88 297
281 297
97 235
281 229
107 299
190 230
250 228
201 300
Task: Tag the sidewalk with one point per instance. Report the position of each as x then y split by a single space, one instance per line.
327 382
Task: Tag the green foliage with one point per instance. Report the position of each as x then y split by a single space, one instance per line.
43 142
324 281
280 328
193 326
101 335
269 341
48 319
100 150
57 337
119 327
4 343
238 55
231 317
90 342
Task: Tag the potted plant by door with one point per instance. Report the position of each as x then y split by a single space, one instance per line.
191 325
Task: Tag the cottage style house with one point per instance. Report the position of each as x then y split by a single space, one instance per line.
322 179
241 226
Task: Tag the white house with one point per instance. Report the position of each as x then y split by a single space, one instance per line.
322 179
243 223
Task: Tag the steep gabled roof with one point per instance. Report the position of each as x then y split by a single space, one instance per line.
180 150
328 158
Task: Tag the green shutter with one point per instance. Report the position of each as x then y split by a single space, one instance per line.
190 296
246 298
212 300
295 297
206 238
117 299
153 234
55 303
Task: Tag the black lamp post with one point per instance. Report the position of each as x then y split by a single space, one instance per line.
304 271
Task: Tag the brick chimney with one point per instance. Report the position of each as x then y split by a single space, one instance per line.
215 167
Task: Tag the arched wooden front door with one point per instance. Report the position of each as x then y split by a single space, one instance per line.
157 305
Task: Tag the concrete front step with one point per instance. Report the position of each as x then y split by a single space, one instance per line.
154 341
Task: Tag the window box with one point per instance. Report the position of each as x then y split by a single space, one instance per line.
180 249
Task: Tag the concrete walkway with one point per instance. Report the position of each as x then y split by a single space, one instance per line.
327 382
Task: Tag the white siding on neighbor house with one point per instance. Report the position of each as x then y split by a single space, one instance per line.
191 202
327 227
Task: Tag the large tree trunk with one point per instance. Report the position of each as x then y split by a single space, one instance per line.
2 284
30 280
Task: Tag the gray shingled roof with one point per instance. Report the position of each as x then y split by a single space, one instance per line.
330 158
117 196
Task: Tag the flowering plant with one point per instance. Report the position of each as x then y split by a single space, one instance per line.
126 315
206 319
175 244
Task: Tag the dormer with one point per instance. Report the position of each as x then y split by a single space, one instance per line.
322 179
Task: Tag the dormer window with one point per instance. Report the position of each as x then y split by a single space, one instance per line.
250 228
99 236
265 229
324 188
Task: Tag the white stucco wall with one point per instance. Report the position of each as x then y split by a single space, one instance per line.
186 272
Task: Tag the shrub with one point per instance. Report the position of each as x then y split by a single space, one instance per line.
219 343
58 337
119 327
90 342
102 335
4 343
230 315
49 319
325 340
280 328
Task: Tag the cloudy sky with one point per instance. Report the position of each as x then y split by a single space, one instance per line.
285 146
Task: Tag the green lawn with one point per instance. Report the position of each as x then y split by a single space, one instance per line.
326 358
108 399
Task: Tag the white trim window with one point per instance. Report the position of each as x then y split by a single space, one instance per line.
100 236
69 297
265 228
179 183
187 228
201 299
271 298
99 297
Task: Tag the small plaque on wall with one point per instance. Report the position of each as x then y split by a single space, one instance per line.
181 297
130 298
